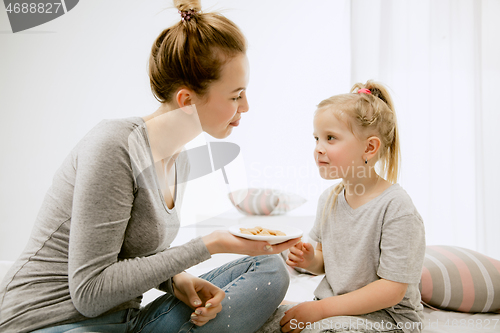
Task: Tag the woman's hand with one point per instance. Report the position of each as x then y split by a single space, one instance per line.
298 317
221 241
200 295
301 255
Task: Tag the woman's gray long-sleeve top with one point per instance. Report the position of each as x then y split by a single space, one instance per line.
102 236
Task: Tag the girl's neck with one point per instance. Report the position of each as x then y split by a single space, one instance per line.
360 191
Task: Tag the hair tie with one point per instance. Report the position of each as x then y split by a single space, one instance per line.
187 14
364 91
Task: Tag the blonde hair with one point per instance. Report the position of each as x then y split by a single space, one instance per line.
367 115
192 52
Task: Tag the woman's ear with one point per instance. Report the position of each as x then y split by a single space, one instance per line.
184 99
373 144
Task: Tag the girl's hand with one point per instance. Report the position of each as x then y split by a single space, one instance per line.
222 241
200 295
301 255
298 317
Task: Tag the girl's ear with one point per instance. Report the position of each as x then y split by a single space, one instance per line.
373 144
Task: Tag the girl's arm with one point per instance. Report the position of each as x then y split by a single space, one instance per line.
375 296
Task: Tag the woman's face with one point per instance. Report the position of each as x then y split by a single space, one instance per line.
221 108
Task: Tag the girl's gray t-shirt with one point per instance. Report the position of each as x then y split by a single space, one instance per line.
102 235
384 238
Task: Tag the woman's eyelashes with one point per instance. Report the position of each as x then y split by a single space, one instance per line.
236 98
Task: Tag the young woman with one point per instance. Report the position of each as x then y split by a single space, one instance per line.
102 236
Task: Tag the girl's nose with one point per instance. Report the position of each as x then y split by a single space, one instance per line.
319 149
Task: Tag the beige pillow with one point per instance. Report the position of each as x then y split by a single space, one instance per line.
264 201
458 279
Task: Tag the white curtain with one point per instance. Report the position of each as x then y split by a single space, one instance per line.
440 59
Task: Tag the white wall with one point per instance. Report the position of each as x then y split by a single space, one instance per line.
58 80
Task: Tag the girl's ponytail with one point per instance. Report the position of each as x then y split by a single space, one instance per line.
375 112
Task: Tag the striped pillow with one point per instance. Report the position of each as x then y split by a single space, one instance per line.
259 201
459 279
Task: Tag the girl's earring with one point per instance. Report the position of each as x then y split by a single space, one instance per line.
366 161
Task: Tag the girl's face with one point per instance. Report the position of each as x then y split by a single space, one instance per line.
338 153
221 108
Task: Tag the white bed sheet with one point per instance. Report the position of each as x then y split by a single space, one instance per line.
302 285
456 322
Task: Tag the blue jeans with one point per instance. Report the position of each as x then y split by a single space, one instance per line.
254 288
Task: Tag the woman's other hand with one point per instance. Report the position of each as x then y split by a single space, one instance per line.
200 295
222 241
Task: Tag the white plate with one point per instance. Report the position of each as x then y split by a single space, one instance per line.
291 232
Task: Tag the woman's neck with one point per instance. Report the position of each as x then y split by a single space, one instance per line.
170 129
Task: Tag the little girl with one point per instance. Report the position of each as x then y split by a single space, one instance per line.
370 237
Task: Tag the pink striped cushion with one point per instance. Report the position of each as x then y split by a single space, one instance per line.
459 279
261 201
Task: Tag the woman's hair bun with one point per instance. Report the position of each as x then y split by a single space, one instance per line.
184 55
185 5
